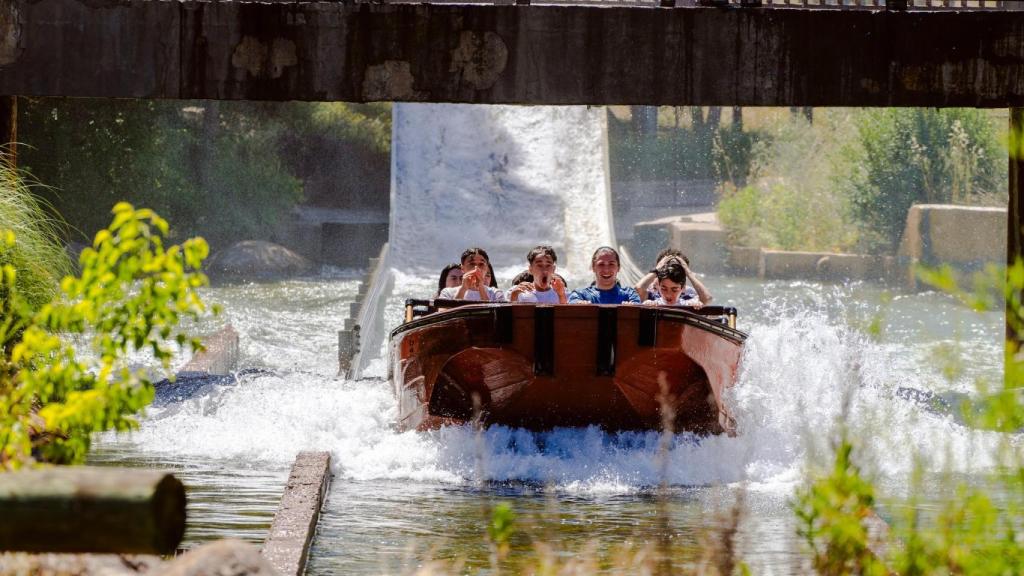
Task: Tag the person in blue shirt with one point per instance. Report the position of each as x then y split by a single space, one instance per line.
606 288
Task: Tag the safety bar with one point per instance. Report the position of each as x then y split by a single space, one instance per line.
417 307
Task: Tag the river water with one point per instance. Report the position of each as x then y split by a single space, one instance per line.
400 499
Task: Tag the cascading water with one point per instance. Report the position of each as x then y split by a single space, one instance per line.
505 178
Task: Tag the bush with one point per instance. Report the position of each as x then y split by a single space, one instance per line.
976 528
722 153
903 156
790 203
130 295
39 255
228 171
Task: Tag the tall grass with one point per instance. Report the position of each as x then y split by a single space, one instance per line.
38 255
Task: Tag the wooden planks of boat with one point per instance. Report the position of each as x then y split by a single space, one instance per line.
539 367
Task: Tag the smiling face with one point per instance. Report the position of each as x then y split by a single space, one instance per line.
606 270
454 278
670 290
543 270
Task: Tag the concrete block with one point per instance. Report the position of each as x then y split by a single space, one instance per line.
291 533
963 236
703 243
649 238
778 264
743 260
220 357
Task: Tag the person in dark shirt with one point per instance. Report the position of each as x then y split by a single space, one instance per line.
606 288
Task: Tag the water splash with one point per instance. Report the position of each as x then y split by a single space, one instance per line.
804 370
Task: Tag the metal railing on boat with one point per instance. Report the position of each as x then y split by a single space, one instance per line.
417 308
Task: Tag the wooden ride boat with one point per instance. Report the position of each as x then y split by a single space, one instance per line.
622 367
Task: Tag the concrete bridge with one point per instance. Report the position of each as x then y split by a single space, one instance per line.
656 52
603 53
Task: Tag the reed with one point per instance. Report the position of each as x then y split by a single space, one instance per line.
38 254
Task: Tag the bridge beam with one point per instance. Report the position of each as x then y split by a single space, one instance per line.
510 54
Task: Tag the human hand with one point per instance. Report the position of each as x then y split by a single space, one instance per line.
696 305
558 286
472 279
650 303
518 289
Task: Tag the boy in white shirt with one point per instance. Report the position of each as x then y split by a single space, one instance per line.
672 288
475 269
546 287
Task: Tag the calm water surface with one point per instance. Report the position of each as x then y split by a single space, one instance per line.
398 500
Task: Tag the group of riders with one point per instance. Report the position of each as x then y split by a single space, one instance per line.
669 283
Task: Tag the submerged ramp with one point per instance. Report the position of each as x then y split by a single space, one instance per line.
504 178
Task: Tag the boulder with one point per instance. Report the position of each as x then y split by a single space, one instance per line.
256 260
227 557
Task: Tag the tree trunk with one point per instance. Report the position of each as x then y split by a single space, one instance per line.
9 127
1015 222
737 118
84 509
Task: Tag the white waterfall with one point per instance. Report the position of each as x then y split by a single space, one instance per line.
504 178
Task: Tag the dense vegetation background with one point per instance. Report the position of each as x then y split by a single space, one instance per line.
227 171
826 179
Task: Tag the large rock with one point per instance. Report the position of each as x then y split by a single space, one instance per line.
227 557
256 260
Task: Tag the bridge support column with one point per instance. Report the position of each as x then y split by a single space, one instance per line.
9 126
1015 215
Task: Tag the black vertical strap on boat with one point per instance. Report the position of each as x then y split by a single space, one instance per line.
543 341
647 331
607 331
503 324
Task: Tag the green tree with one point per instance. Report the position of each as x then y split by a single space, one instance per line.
903 156
212 168
130 295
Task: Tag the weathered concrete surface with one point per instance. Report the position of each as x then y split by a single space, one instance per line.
291 533
743 260
960 235
510 54
780 264
700 236
702 239
220 356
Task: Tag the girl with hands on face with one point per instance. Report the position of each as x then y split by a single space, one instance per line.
546 287
476 277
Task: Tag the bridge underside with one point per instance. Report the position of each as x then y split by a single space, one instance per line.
510 54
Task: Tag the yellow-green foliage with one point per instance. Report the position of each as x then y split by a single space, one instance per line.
39 255
791 202
832 514
132 292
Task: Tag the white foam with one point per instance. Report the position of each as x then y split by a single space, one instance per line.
802 374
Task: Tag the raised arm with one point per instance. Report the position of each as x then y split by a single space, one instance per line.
645 284
702 292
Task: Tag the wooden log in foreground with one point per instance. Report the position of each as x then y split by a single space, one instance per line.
89 509
291 533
